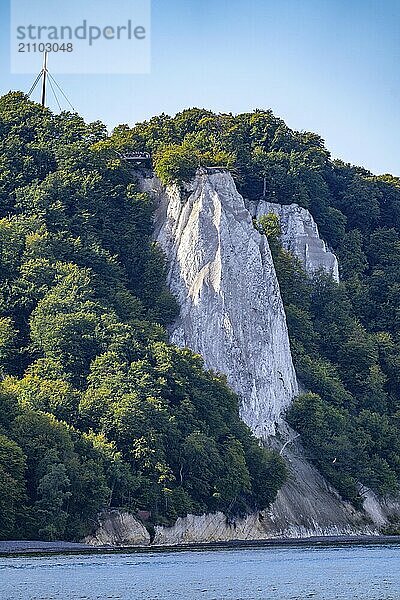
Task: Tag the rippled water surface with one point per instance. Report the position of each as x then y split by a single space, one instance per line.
279 573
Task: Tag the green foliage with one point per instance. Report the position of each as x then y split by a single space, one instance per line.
269 225
96 409
66 483
176 163
12 485
156 410
8 344
349 421
345 338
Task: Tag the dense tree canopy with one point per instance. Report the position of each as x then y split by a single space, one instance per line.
97 410
345 338
350 420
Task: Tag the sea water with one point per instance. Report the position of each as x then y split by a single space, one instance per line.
280 573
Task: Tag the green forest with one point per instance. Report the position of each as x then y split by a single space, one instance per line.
97 409
344 337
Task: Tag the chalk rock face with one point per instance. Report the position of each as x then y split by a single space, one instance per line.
116 528
382 511
222 274
300 235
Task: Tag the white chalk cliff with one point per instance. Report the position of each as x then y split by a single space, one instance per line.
300 235
231 312
221 272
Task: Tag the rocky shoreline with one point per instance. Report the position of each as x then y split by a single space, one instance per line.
24 547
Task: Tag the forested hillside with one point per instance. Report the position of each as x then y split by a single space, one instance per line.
96 408
345 338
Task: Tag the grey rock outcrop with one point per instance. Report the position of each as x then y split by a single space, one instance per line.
222 274
383 512
116 528
300 235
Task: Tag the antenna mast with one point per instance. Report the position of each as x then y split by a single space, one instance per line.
44 78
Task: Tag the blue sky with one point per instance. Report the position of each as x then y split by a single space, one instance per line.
329 66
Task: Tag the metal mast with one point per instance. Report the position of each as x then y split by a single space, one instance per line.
45 76
44 79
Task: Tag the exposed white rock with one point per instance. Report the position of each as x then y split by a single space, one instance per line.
300 235
380 511
307 505
116 528
257 526
231 312
222 274
122 529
